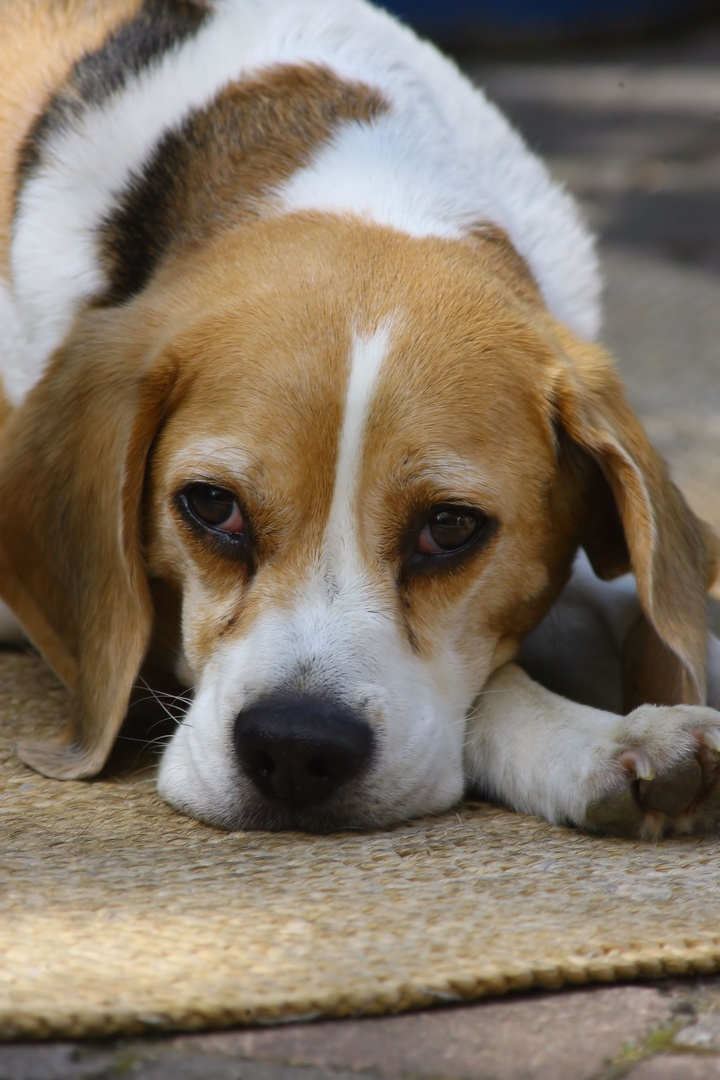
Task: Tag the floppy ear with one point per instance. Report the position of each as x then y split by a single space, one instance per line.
72 464
637 519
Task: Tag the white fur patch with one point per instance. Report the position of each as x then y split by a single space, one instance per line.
380 174
20 366
442 160
366 360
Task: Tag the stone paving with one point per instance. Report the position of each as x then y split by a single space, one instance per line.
636 135
647 1032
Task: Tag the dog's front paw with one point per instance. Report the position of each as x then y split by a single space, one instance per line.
665 778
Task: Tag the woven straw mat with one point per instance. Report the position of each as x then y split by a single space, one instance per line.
120 915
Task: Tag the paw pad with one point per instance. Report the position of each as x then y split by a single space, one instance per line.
652 801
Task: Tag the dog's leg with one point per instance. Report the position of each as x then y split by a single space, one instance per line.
654 771
577 650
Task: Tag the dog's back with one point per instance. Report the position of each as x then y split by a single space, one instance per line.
40 42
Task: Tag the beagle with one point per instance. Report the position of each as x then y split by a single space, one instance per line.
302 398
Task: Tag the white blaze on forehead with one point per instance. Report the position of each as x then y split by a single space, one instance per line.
366 360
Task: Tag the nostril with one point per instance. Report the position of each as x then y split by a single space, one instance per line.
264 763
319 767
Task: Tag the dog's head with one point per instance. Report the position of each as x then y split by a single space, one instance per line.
359 465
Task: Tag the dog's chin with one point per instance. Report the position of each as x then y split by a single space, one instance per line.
241 808
261 815
270 817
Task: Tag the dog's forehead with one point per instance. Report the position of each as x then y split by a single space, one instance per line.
337 331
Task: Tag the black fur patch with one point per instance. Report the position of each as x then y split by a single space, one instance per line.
217 166
139 231
159 26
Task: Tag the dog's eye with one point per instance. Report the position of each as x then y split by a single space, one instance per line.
449 529
215 507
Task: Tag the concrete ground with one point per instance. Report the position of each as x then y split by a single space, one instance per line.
637 135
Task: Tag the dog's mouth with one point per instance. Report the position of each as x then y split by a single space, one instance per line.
265 816
294 762
302 759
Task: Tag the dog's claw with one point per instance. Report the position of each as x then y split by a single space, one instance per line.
638 762
709 735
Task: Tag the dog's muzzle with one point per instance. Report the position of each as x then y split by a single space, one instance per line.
299 751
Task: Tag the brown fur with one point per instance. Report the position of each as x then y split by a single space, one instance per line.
497 255
72 568
651 672
673 554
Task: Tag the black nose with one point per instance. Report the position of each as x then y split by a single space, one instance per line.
300 750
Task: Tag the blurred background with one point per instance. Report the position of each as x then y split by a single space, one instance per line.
532 23
622 100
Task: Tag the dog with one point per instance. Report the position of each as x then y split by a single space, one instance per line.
302 399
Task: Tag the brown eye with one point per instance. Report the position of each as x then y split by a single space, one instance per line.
449 529
214 507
